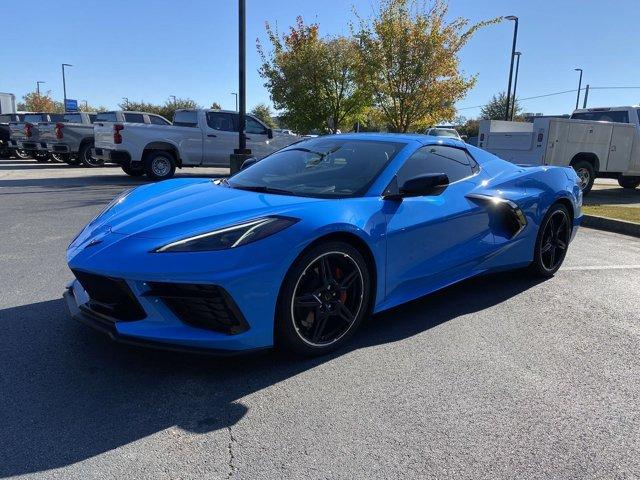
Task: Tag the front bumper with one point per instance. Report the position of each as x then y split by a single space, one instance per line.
119 157
108 326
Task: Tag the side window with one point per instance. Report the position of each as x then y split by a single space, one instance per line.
107 117
253 126
156 120
92 117
455 162
134 117
220 121
185 118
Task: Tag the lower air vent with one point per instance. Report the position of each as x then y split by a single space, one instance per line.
202 306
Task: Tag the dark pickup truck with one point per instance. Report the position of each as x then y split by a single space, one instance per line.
6 150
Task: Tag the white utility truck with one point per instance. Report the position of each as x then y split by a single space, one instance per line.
197 138
596 142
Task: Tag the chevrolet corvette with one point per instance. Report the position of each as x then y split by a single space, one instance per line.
297 249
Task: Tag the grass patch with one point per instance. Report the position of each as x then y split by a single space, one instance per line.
630 214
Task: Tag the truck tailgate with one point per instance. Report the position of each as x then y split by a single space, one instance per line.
103 135
16 129
47 132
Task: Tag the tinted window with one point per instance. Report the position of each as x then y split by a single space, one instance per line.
92 117
638 114
156 120
106 117
56 117
134 117
72 118
253 126
329 167
31 118
456 163
185 118
617 117
220 121
6 118
442 132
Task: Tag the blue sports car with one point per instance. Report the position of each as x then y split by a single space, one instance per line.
299 248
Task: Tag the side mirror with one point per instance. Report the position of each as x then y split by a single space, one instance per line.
420 186
269 132
248 162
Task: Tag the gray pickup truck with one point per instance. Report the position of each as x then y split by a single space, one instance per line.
70 139
25 135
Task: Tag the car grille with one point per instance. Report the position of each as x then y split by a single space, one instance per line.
110 296
203 306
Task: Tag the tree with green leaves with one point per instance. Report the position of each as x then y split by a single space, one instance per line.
495 109
216 106
263 112
314 81
410 59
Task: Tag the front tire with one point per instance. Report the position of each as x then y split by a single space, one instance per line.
59 157
159 165
586 174
323 300
628 182
22 154
552 242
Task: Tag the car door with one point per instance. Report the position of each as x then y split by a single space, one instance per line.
220 138
435 240
257 137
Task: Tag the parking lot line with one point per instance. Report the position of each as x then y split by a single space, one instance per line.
601 267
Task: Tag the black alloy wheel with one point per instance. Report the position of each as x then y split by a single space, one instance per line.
325 297
553 241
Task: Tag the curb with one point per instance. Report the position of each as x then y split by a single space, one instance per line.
611 225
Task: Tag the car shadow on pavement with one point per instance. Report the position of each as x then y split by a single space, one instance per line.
69 393
613 196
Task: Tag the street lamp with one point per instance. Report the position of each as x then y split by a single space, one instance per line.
86 105
515 85
64 84
579 87
236 95
38 86
513 51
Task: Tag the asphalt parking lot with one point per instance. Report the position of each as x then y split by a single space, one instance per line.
498 377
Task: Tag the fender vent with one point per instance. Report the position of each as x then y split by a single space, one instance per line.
507 219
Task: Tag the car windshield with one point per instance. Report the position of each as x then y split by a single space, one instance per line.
327 167
443 132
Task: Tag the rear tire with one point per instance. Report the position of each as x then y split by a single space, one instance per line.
628 182
159 165
22 154
324 298
586 174
59 157
132 172
85 156
552 242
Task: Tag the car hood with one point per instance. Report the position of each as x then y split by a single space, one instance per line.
182 207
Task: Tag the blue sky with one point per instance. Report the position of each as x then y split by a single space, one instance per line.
150 49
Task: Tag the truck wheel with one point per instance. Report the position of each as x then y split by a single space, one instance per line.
59 157
586 174
86 158
22 154
132 172
628 182
159 165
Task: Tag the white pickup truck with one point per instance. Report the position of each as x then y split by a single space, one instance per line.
596 142
197 138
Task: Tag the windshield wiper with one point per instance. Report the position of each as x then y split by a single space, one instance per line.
262 189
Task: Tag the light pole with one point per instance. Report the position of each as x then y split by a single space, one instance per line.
86 105
515 85
64 84
236 95
513 51
579 87
38 86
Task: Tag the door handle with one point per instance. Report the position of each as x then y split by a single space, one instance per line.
211 135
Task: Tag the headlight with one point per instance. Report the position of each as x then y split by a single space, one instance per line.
231 237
